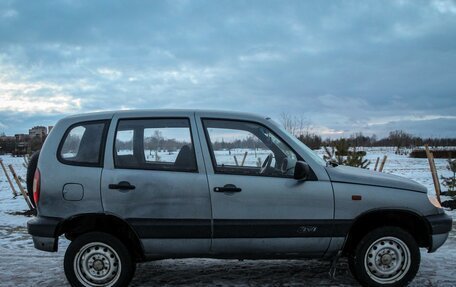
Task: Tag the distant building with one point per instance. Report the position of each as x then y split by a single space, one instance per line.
38 131
21 144
21 137
7 144
5 138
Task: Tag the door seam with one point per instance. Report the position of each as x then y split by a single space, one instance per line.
207 179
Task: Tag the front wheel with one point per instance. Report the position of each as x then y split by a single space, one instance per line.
387 256
98 259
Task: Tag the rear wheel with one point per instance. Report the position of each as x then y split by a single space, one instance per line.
98 259
387 256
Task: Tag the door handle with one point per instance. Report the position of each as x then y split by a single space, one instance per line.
123 185
227 188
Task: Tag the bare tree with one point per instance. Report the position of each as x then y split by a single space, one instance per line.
400 139
302 129
296 125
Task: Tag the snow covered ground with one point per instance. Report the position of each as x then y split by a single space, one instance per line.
22 265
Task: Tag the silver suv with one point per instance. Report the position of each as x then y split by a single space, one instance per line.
133 186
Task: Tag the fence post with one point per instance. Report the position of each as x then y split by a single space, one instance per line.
8 178
235 160
435 177
26 161
243 159
380 169
24 193
376 163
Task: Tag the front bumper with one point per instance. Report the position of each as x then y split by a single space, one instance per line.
440 225
44 232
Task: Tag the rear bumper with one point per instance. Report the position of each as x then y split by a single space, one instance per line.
441 225
44 232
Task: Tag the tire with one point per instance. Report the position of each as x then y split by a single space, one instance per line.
98 259
33 162
386 256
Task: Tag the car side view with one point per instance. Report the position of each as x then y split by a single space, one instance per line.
132 186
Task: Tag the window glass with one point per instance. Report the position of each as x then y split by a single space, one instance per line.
82 144
124 142
248 148
237 148
163 144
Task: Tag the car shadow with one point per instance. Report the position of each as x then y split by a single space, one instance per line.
214 272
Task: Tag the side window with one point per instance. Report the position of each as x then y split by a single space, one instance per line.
159 144
82 144
248 148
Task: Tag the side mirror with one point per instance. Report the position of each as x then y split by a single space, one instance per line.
302 171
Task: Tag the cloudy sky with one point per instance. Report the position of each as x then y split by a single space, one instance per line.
344 66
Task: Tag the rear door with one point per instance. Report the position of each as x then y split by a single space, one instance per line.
262 211
154 178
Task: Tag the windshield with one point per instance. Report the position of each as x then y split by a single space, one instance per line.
306 149
310 152
278 143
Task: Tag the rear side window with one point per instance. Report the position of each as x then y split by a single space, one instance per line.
83 144
159 144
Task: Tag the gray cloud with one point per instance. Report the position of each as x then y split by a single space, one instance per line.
347 66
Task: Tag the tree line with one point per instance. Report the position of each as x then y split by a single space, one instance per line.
397 138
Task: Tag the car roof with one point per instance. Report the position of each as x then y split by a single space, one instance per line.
162 112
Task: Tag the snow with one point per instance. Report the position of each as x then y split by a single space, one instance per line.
22 265
8 204
223 156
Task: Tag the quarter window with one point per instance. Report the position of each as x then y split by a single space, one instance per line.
160 144
83 144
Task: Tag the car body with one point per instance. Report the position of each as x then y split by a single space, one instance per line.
196 183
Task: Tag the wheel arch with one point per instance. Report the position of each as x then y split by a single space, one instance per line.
77 225
408 220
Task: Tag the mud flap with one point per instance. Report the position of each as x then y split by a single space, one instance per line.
49 244
332 269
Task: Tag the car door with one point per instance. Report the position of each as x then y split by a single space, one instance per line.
154 178
258 211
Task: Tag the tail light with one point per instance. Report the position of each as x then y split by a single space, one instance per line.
36 186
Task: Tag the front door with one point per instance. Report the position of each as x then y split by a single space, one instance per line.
258 207
156 181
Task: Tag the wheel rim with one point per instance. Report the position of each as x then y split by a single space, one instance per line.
97 264
387 260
